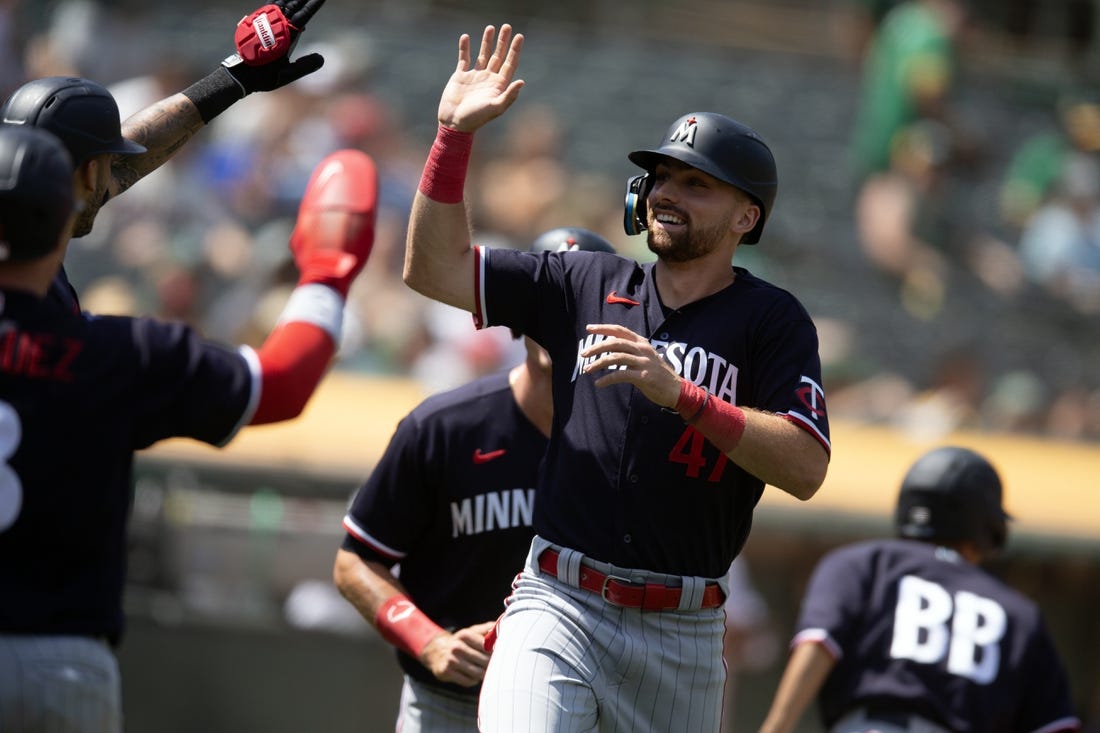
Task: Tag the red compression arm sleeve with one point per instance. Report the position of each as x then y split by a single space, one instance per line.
720 422
292 360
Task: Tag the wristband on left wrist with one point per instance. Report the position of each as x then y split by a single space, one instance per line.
720 422
215 93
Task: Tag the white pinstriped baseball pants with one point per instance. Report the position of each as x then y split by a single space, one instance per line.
860 721
58 684
566 661
427 710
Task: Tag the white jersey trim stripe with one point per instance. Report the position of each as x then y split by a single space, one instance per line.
809 427
365 537
481 254
1061 724
819 636
253 360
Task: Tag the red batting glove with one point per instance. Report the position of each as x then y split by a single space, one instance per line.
335 230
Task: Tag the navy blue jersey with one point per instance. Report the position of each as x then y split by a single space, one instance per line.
626 481
63 291
451 500
78 395
916 628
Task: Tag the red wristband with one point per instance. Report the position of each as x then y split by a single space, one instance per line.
691 401
445 172
404 625
720 422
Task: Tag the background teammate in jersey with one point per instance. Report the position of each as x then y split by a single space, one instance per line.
451 501
910 634
79 394
680 388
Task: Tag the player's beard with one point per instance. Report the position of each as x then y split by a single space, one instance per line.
686 245
85 218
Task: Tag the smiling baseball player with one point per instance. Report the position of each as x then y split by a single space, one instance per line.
681 387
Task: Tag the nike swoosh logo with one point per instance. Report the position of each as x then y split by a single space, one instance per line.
480 457
613 298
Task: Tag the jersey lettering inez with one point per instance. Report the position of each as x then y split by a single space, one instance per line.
452 501
917 628
78 395
625 481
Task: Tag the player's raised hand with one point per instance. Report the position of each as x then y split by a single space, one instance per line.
459 657
334 233
630 358
264 39
480 91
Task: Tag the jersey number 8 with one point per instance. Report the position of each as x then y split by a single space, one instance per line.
11 488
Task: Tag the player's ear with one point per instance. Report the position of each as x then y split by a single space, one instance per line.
87 174
745 221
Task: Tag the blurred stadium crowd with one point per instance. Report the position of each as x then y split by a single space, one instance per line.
956 282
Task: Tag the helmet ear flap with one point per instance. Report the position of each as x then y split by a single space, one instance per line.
998 534
634 216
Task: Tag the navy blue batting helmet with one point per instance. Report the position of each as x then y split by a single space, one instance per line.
36 192
719 146
81 113
565 239
952 494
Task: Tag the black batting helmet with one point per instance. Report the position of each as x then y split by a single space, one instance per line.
567 239
719 146
81 113
36 192
952 494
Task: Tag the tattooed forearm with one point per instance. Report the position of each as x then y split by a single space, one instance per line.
163 128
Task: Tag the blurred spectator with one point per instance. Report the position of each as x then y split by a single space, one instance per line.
1060 245
904 217
1017 402
457 353
1075 414
524 179
915 224
1038 163
859 19
950 399
909 71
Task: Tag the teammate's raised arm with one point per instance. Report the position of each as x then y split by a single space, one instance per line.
331 242
85 118
261 62
439 261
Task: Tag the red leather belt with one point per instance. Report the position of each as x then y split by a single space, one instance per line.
627 593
